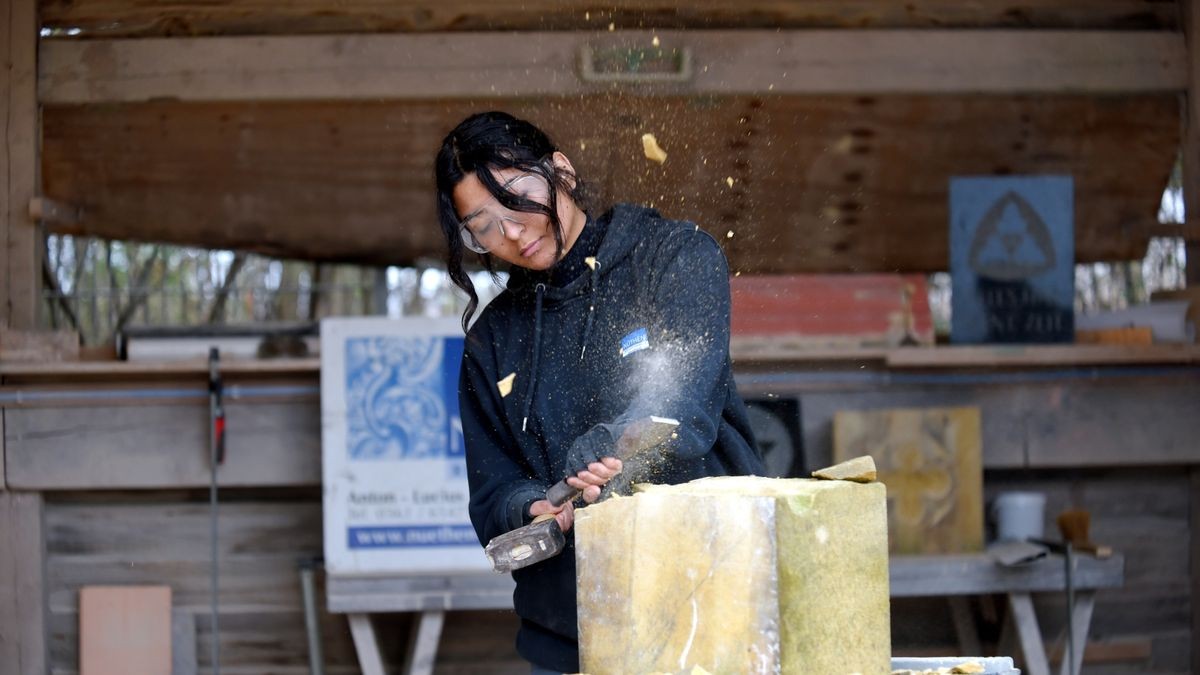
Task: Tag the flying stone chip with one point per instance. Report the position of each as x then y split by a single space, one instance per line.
505 386
651 149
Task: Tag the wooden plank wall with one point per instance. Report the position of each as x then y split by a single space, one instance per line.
22 585
1076 423
162 538
152 445
228 173
96 533
1105 421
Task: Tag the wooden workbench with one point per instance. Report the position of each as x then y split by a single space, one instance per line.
910 576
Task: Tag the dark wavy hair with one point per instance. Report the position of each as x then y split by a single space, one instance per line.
478 145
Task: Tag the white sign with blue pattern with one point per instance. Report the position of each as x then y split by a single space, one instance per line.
395 486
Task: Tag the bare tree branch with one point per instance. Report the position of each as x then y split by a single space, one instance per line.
80 250
315 291
217 313
138 293
51 281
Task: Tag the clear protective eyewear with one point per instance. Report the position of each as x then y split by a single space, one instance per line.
486 225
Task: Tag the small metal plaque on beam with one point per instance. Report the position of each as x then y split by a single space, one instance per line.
639 64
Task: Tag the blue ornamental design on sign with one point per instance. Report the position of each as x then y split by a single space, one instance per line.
393 459
402 398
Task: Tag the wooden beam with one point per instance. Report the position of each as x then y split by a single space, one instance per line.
1186 231
466 65
92 19
23 645
1046 356
50 211
19 259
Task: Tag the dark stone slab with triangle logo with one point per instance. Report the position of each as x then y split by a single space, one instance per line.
1012 259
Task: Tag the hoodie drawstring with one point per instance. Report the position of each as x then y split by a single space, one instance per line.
587 328
537 353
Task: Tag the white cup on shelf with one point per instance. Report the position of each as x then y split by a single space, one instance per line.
1019 516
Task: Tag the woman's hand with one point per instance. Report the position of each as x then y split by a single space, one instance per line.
565 514
591 479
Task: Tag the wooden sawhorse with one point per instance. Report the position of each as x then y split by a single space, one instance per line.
956 576
431 596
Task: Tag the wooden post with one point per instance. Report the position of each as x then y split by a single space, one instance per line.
1191 143
19 259
22 589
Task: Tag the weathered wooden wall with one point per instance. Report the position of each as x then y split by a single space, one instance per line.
1079 422
23 612
161 537
155 435
804 183
1131 442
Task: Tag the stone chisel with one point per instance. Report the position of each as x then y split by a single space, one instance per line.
542 538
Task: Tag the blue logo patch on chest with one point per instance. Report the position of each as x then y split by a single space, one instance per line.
636 341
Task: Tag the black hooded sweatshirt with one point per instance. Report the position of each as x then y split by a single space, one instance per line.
632 322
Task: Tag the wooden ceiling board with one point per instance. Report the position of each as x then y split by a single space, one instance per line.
146 18
819 184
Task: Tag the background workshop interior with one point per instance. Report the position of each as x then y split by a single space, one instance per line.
957 239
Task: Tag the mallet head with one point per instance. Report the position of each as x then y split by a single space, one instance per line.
526 546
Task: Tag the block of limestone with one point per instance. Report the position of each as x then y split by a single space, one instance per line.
736 575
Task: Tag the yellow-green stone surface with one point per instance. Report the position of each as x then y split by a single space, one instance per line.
736 575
